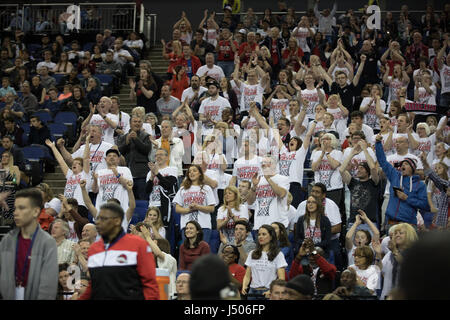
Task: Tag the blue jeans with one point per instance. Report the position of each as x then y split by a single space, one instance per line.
260 292
227 67
206 235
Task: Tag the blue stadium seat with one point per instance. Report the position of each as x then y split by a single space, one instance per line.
45 116
26 127
88 46
57 130
105 79
33 153
138 215
69 119
33 47
142 204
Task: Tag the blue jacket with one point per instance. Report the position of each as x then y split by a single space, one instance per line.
415 189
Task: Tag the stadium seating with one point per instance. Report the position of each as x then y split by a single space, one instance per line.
69 119
57 130
45 116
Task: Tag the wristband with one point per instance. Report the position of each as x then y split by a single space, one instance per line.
315 121
118 176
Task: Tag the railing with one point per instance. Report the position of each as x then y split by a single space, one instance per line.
149 28
55 17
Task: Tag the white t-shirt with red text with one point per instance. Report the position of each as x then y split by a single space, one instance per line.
291 164
201 195
108 132
97 158
313 97
325 174
73 189
269 207
250 93
245 169
370 116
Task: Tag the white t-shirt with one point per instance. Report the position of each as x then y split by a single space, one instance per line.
97 158
385 137
264 271
211 36
215 72
215 161
395 136
325 173
394 87
313 97
269 207
368 132
370 277
370 116
277 106
250 93
250 124
72 188
246 169
357 159
445 78
291 216
124 121
109 187
214 107
426 145
108 132
301 34
189 93
214 175
427 98
195 194
291 164
72 233
331 212
155 195
222 213
340 120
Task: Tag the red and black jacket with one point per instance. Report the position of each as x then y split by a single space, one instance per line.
125 270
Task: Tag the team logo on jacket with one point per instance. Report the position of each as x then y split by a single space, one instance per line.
122 258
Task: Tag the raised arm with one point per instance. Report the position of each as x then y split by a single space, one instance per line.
359 71
58 156
343 170
87 200
131 201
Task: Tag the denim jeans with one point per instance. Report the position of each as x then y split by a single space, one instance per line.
227 67
253 291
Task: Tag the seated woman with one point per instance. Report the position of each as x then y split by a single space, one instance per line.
193 246
368 275
231 211
154 220
313 224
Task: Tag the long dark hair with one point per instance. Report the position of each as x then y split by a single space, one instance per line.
283 236
199 237
273 248
319 212
187 182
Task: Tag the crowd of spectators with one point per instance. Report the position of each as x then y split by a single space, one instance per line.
222 148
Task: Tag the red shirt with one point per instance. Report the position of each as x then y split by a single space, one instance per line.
225 52
188 255
291 61
178 86
22 247
274 52
248 50
237 271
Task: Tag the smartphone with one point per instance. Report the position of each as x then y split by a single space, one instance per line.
397 189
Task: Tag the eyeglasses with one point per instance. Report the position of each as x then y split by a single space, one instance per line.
181 282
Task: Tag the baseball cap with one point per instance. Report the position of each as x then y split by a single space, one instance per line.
114 151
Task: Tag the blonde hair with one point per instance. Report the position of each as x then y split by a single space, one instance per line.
411 234
138 111
159 223
425 125
237 200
